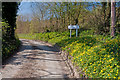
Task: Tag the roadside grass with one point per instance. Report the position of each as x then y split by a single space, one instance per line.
98 56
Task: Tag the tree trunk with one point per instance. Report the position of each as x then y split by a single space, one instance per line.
113 19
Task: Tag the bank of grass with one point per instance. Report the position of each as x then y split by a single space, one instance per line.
98 56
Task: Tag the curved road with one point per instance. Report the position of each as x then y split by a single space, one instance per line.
36 59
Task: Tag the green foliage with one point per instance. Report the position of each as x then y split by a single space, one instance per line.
94 52
0 39
9 45
9 41
97 61
10 18
93 15
97 56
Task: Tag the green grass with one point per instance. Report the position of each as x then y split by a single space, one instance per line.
98 56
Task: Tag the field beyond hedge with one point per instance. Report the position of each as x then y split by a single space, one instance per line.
98 56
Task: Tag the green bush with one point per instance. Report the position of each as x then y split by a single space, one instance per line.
8 45
97 56
101 61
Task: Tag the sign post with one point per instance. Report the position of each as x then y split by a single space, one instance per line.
73 27
76 32
70 32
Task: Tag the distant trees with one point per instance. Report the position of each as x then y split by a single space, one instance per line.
0 11
23 22
117 27
106 15
56 16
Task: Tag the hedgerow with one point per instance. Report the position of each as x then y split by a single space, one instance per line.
9 46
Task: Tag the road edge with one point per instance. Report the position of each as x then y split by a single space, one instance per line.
74 69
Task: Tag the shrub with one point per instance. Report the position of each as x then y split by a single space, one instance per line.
97 56
8 45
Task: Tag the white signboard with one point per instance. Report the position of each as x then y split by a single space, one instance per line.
73 27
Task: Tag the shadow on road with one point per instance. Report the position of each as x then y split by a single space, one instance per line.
25 48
